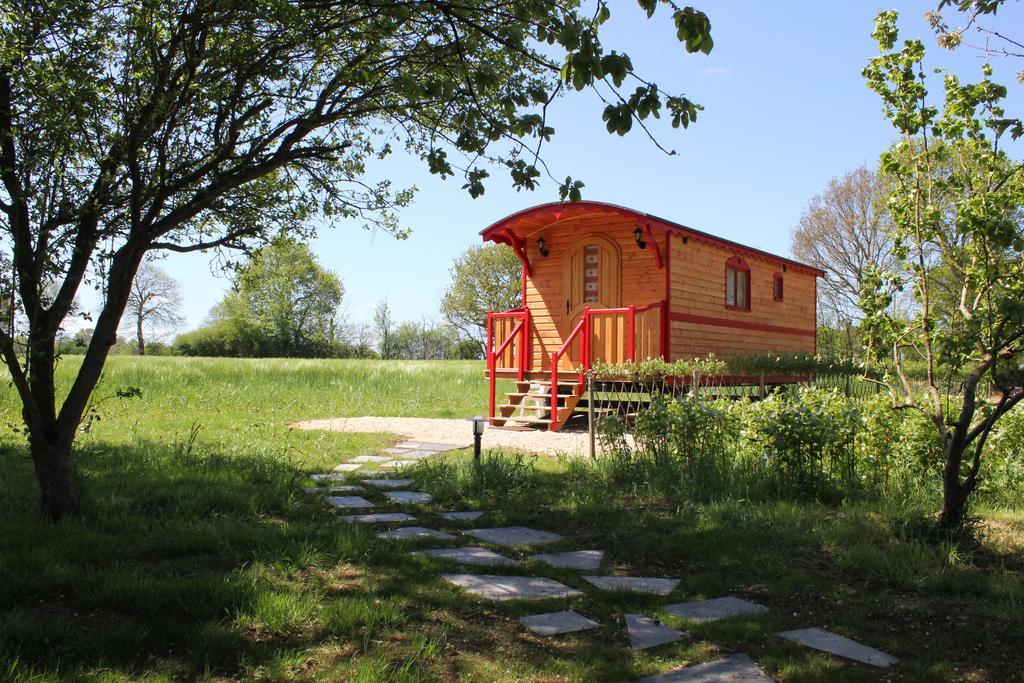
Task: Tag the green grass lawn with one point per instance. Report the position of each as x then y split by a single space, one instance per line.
199 557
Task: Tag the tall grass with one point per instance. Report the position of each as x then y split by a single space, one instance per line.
198 557
240 406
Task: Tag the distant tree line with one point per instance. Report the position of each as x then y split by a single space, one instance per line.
284 304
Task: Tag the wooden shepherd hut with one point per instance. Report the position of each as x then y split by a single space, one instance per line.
606 283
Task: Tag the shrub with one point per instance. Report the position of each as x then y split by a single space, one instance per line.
803 443
807 440
1003 480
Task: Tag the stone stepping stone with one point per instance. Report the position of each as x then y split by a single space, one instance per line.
427 446
411 532
481 556
645 632
409 497
370 458
379 518
327 477
833 643
410 452
557 623
398 463
332 489
636 584
714 609
461 516
369 473
349 502
511 587
576 559
735 668
387 483
347 467
514 536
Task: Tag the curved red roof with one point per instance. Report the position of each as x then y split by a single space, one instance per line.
543 215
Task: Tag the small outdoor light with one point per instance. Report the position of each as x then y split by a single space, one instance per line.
478 432
639 235
542 247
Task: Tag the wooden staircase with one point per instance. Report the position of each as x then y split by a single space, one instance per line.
530 405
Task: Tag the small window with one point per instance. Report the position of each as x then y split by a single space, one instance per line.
777 286
737 284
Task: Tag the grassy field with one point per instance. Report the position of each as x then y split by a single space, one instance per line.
198 556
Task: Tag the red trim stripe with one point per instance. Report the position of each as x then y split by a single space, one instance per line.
738 324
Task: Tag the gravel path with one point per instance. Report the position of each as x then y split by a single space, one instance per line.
456 432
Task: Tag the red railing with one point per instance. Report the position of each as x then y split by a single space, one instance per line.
649 346
556 358
504 355
508 343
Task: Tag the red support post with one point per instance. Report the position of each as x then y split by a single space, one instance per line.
585 344
524 344
632 334
554 388
666 339
492 380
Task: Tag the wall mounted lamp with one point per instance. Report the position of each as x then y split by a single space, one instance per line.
639 235
542 247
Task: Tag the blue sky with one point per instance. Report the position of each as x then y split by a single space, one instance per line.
786 110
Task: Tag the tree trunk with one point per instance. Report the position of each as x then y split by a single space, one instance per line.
955 493
54 469
138 332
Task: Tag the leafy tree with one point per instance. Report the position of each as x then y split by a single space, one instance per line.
980 342
467 349
485 278
212 125
154 302
424 341
284 303
844 231
995 41
357 341
384 327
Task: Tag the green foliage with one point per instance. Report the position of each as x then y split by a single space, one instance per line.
806 439
657 368
1004 479
219 127
956 202
485 278
283 304
199 557
712 366
797 444
427 341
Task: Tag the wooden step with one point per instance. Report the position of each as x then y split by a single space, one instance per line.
513 428
519 394
524 407
547 382
514 421
528 420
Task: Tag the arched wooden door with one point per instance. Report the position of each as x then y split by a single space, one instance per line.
593 277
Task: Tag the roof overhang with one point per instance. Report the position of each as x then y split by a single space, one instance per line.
516 229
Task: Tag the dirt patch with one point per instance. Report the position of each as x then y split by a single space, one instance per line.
457 433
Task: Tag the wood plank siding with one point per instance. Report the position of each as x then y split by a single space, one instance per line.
701 323
640 282
593 260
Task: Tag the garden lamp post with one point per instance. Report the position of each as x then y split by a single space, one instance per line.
478 432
